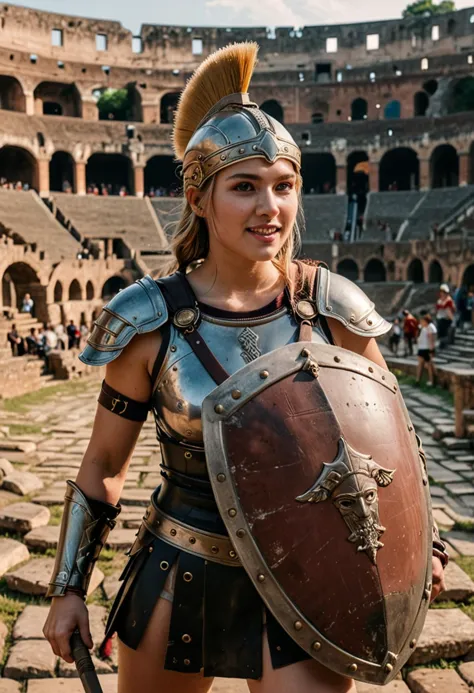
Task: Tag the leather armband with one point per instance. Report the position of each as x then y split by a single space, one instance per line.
439 547
84 530
121 405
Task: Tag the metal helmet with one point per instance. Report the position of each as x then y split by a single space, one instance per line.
232 129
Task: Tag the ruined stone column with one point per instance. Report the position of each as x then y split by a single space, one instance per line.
425 174
139 180
341 180
374 176
43 177
80 178
29 103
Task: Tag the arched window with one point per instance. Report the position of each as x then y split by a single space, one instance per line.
392 110
435 273
58 98
375 271
112 170
89 291
61 172
169 104
112 286
444 165
421 102
18 165
58 292
415 271
274 109
348 268
75 291
359 109
12 97
161 176
399 170
319 173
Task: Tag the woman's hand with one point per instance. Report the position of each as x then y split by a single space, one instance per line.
439 584
65 615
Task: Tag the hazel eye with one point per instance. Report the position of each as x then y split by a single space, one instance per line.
284 187
244 186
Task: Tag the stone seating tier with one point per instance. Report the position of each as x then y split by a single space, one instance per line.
24 214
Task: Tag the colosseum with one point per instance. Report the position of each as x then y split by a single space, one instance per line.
89 189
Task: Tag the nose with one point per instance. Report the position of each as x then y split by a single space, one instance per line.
362 509
267 204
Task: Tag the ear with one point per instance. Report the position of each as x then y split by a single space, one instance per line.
194 199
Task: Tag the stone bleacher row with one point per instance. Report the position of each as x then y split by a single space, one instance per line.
146 225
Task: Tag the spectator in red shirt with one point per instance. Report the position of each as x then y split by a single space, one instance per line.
445 312
410 331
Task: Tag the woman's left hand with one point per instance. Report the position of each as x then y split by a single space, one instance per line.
439 584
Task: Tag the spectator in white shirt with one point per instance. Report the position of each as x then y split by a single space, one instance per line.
426 349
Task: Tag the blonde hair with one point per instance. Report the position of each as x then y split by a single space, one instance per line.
190 241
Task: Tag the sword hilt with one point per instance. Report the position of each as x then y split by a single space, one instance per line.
84 664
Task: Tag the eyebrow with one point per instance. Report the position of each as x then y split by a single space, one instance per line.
254 176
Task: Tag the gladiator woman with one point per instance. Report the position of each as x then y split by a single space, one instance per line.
187 610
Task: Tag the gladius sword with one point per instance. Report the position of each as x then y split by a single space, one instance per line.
84 664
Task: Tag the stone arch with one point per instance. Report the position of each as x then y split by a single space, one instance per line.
110 169
375 271
359 109
468 277
274 109
168 105
160 173
75 291
61 172
357 172
421 102
135 100
399 169
19 279
435 272
319 173
348 268
444 166
392 110
12 96
112 286
462 96
58 98
18 165
58 292
415 271
431 86
90 290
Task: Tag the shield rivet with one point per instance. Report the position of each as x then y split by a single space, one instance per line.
261 577
214 549
352 668
371 370
223 157
316 646
173 532
370 322
232 554
188 455
221 477
337 359
192 540
305 353
164 565
232 512
187 662
187 577
242 150
413 644
264 375
388 668
236 394
186 638
219 409
298 625
241 533
173 348
150 550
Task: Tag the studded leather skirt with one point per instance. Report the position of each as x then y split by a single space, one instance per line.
218 618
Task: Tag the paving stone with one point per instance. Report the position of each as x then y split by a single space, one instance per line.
43 538
132 524
442 519
462 542
438 491
17 446
461 489
9 686
29 625
138 496
69 671
23 517
22 483
459 585
397 686
7 498
109 683
436 681
467 500
97 616
460 467
440 475
120 539
447 634
51 497
465 458
12 553
30 659
6 467
111 585
152 480
33 577
457 443
466 671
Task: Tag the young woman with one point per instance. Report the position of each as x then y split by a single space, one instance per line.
186 612
426 349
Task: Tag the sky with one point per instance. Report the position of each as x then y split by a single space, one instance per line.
229 12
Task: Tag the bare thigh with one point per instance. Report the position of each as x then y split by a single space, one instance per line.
303 677
143 669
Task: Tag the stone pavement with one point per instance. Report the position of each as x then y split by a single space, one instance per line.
42 444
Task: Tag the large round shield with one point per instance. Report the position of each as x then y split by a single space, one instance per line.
316 471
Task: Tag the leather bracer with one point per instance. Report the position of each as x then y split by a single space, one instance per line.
84 530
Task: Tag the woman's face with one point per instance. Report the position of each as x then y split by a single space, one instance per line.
254 207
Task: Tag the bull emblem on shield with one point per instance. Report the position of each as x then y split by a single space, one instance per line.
352 482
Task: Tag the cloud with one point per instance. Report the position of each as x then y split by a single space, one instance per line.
263 12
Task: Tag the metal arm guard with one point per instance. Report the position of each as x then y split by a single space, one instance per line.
137 309
83 534
341 299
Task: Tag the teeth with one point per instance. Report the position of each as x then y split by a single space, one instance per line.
264 232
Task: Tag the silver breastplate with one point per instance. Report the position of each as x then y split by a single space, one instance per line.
183 382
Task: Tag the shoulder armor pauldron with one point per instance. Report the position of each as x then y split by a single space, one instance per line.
137 309
341 299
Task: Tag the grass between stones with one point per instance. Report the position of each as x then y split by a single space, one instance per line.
23 402
411 381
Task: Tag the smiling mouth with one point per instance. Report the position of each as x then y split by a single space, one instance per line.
265 231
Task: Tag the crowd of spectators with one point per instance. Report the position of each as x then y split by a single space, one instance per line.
6 184
451 313
105 189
